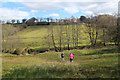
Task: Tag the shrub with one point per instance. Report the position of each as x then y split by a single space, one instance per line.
30 51
3 50
12 51
17 51
24 26
6 51
25 51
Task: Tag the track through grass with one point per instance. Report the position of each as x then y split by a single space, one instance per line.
49 65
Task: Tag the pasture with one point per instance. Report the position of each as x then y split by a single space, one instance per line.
37 37
96 62
88 63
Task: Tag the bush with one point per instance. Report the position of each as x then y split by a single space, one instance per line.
30 51
17 51
6 51
12 51
3 50
24 26
25 51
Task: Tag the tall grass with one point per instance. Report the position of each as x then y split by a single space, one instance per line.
102 64
70 70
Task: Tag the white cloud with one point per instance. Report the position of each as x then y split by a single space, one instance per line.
7 14
104 8
53 15
88 12
87 8
59 0
71 10
42 6
33 11
74 7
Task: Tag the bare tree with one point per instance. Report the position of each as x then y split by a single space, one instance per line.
18 21
77 32
68 33
49 37
13 21
117 38
41 19
95 29
60 35
24 20
53 40
104 22
90 30
73 30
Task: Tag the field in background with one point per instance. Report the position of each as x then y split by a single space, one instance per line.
36 37
88 63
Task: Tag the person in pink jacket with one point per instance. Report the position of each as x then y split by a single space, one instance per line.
71 57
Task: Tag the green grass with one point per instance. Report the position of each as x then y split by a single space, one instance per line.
33 36
37 36
87 63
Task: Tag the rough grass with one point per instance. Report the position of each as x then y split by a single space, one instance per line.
37 36
88 63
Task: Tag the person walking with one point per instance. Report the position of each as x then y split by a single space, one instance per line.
71 57
62 56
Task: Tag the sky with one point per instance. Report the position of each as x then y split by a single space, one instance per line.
20 9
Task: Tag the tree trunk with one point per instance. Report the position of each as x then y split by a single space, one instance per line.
104 37
68 36
118 32
90 36
73 34
48 37
96 36
77 35
60 36
54 41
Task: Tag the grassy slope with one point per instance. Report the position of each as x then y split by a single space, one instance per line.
92 63
33 36
36 36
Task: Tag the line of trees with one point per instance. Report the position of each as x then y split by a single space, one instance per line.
102 29
31 21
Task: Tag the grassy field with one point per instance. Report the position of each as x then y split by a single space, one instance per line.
33 36
100 62
88 63
37 36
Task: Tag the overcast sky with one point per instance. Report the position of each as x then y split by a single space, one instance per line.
19 9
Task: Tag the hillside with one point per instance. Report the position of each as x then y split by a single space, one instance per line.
94 62
37 36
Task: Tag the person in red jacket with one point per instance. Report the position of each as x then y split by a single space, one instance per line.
71 57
